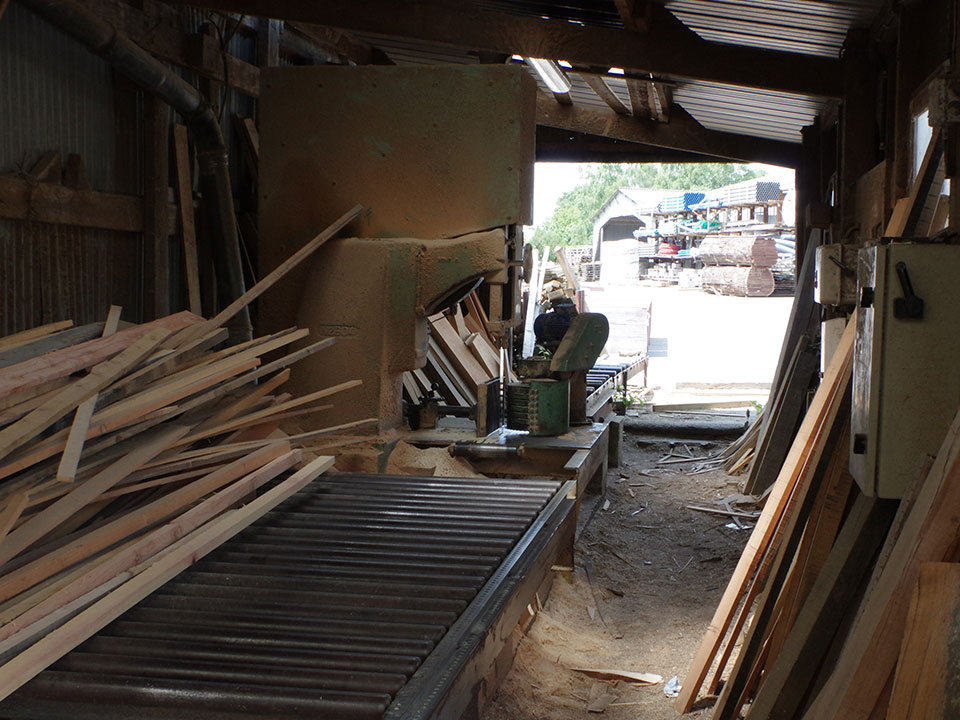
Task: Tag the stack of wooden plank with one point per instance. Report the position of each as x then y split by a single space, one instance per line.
123 459
461 355
851 600
799 520
738 265
125 454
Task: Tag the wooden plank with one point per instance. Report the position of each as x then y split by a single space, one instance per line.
11 513
603 91
925 684
175 559
249 143
29 624
9 342
57 341
752 653
156 216
869 655
85 493
90 542
22 200
188 233
279 272
804 455
819 536
269 413
457 353
66 400
67 471
69 360
788 679
568 272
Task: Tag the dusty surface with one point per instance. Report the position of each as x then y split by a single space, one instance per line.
642 593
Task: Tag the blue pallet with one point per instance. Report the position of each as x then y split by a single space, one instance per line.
682 201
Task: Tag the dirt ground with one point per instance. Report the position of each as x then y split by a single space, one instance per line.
641 596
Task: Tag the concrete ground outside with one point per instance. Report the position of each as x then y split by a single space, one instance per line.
704 347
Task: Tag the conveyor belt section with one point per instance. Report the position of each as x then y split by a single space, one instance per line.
603 381
324 608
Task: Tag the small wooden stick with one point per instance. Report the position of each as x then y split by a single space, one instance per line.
67 471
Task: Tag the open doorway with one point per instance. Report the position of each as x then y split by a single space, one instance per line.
693 265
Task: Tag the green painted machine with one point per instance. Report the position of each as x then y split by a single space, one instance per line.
552 393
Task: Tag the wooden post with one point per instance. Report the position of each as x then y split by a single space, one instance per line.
858 126
188 231
156 232
268 42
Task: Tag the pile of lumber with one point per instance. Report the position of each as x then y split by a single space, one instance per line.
122 461
128 453
842 606
738 265
462 354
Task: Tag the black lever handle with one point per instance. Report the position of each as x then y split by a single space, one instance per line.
909 307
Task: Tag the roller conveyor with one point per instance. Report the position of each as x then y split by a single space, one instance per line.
362 596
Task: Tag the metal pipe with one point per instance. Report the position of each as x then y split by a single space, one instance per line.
131 60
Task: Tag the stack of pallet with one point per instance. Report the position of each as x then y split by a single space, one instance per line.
738 265
842 606
461 355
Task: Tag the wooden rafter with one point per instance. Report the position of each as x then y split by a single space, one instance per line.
600 87
683 132
645 98
636 14
673 49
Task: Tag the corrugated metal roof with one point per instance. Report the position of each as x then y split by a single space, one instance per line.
761 113
811 27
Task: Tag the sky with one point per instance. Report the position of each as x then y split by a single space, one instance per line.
551 180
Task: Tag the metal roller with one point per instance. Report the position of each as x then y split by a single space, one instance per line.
326 607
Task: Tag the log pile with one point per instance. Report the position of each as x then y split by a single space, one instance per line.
851 599
738 265
739 281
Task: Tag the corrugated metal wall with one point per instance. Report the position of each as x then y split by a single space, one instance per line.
58 96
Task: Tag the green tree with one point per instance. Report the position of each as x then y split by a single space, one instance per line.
572 219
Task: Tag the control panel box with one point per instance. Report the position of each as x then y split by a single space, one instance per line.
906 367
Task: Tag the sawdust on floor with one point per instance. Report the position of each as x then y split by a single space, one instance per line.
655 578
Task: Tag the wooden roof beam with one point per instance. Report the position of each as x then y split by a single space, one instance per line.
673 49
600 87
636 14
683 132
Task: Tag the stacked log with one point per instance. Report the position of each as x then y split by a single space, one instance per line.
738 265
737 280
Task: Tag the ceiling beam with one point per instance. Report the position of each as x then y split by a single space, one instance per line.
673 49
683 132
635 14
558 145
